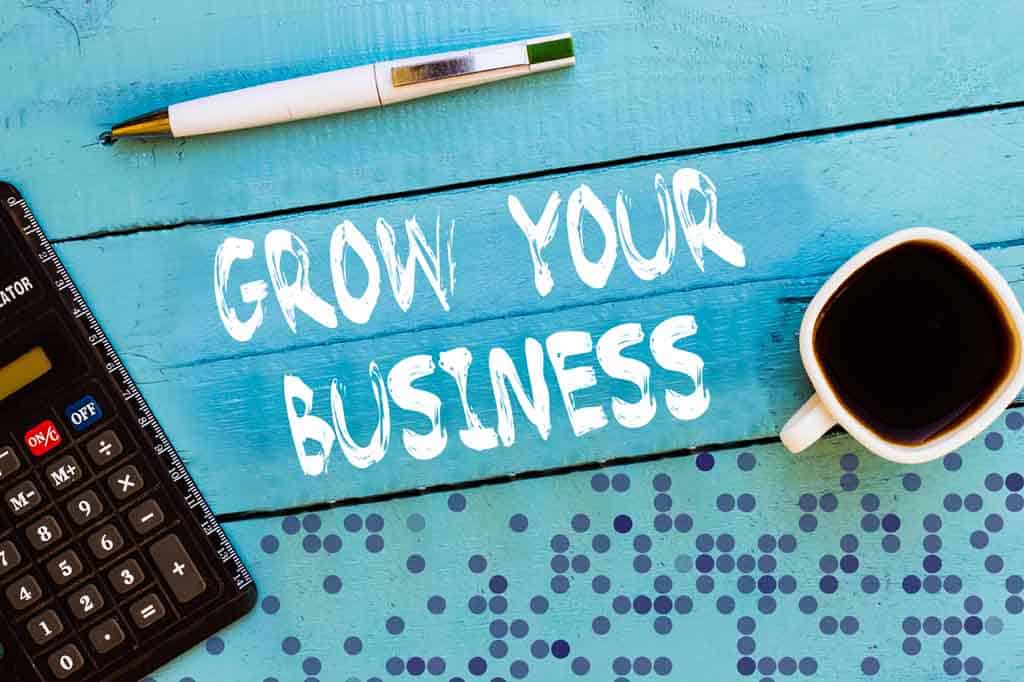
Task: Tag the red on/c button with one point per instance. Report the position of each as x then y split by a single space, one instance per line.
42 438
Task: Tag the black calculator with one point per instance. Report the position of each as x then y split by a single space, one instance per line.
111 562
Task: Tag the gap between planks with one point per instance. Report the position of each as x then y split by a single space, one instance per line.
562 170
234 517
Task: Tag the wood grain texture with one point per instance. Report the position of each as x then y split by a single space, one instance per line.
824 504
652 77
800 208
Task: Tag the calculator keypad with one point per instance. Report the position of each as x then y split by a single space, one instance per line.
109 560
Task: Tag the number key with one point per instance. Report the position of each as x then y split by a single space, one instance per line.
66 661
24 592
86 602
105 542
64 568
10 558
126 576
125 482
106 636
43 533
84 508
45 627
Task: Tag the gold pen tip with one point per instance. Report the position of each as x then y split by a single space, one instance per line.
107 138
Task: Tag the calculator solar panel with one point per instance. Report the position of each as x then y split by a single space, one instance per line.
111 563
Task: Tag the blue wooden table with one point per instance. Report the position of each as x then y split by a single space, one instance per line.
487 386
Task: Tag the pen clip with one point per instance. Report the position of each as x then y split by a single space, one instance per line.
462 64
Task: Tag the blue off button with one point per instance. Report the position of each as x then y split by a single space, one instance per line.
83 413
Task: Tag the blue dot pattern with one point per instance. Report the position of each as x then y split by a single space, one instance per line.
730 565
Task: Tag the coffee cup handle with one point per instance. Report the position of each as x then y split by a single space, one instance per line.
806 426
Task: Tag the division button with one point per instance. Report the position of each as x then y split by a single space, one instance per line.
9 462
66 661
146 517
106 636
147 611
105 447
177 568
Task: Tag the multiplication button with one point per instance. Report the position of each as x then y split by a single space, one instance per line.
9 463
125 483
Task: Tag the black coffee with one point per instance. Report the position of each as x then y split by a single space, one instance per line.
914 343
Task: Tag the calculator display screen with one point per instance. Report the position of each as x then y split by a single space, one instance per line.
25 369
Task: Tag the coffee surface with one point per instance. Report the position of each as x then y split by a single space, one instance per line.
914 343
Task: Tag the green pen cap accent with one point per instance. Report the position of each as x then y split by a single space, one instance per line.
549 51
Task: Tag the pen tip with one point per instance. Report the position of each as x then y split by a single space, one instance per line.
107 138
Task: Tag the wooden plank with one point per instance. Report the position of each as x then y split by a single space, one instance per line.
652 77
907 547
799 209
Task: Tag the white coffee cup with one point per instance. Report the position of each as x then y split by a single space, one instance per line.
824 409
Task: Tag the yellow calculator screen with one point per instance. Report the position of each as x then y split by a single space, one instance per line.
16 375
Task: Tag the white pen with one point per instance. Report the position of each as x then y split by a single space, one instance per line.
359 87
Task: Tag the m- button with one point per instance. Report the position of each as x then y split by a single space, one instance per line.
23 498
